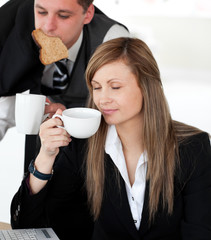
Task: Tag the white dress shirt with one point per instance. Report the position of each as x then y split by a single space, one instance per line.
7 104
135 193
7 114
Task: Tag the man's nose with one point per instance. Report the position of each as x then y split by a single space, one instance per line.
50 24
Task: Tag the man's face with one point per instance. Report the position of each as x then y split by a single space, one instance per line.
62 18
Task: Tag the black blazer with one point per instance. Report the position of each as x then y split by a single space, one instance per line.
7 17
62 203
191 218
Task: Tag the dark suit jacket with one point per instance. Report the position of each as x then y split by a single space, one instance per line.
62 204
191 218
58 204
7 18
20 67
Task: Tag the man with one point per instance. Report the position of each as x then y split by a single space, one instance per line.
80 25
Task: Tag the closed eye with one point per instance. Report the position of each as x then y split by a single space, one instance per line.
63 16
96 88
115 88
42 12
95 85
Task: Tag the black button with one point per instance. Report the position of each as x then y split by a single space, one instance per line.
135 221
14 217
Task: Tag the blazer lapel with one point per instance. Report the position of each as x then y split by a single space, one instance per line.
118 198
144 226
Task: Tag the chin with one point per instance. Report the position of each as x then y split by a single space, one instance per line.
110 122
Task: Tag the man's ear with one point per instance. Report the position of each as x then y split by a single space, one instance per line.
89 14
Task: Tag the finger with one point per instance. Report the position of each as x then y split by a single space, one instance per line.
63 139
47 103
56 131
53 147
51 123
51 140
48 100
56 141
59 111
52 135
49 133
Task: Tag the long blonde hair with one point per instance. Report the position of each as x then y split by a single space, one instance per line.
161 135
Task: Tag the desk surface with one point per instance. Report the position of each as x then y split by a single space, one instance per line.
4 226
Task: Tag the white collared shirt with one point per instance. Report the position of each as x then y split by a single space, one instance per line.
135 193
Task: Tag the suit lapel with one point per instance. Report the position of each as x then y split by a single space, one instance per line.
144 226
118 198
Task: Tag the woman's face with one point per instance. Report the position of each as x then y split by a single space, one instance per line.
117 95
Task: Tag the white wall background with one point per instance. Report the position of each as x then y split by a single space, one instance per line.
179 34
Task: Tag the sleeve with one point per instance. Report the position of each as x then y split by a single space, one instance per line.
197 191
116 31
7 16
26 209
7 114
61 203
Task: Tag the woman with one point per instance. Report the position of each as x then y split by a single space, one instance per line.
147 176
155 179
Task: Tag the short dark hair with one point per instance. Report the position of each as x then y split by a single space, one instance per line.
85 4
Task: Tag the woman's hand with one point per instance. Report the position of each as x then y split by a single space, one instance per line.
52 137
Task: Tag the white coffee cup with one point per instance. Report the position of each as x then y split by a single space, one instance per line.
80 122
29 112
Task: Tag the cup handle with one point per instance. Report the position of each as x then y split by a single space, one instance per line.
59 116
45 115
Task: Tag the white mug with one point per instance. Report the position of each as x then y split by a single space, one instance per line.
29 112
80 122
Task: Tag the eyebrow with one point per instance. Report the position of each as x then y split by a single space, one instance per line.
60 11
110 80
94 81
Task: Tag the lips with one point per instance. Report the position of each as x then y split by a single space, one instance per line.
108 111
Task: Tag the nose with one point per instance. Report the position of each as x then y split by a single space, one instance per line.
50 24
105 98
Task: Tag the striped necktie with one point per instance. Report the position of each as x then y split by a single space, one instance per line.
61 75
